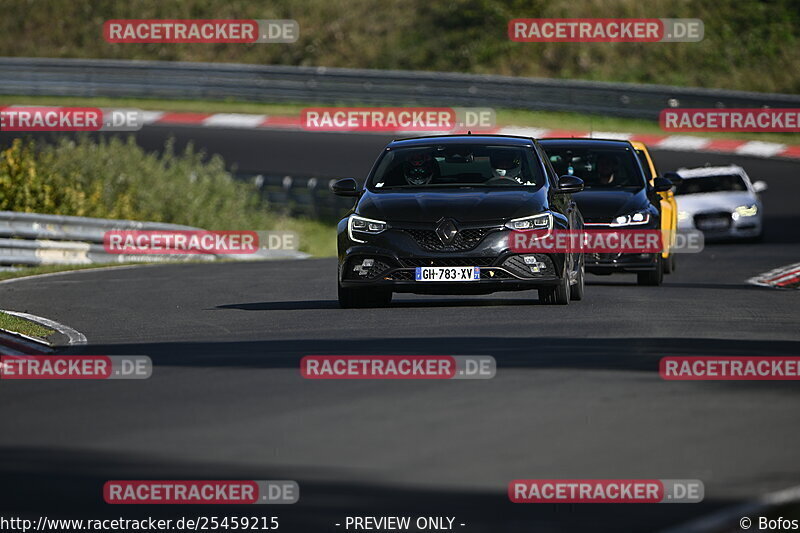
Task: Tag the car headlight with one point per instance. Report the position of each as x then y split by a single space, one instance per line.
357 225
683 215
540 221
634 219
746 210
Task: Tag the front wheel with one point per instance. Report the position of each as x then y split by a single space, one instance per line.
360 297
669 264
558 295
652 277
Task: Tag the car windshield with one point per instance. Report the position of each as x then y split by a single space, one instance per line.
598 167
458 166
717 183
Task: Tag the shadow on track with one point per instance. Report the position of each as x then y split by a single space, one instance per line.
67 483
333 304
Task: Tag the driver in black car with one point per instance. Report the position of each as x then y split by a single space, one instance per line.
506 164
606 169
419 169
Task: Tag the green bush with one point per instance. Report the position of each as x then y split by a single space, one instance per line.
114 178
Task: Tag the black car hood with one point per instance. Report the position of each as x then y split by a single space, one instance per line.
463 205
603 205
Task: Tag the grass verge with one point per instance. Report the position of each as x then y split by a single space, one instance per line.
505 117
26 327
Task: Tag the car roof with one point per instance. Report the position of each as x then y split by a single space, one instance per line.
639 145
701 172
510 140
609 143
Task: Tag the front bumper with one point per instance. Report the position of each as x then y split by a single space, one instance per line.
727 227
610 263
396 254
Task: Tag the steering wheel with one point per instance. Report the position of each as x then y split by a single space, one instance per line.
500 179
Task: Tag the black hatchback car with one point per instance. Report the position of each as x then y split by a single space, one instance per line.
617 196
435 215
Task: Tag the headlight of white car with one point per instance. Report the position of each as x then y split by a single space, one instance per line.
357 225
683 215
745 211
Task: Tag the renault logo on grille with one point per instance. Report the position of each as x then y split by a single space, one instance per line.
447 231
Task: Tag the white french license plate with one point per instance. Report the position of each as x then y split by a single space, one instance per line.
448 273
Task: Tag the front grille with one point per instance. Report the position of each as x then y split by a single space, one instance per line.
403 275
413 262
597 256
465 239
517 266
710 222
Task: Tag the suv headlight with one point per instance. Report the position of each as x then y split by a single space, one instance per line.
357 225
634 219
540 221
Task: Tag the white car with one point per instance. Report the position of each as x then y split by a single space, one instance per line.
719 201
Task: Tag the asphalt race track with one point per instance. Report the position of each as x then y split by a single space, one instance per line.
577 393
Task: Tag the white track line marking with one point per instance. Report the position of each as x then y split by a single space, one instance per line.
682 142
525 132
611 135
74 336
148 117
234 120
53 274
761 149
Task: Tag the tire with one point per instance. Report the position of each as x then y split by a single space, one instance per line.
652 278
576 291
358 297
669 264
558 295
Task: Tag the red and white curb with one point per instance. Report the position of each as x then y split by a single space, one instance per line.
683 143
785 277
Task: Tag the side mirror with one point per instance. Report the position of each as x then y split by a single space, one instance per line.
674 177
760 186
345 187
661 184
570 184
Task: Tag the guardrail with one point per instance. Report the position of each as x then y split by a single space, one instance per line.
213 81
35 239
308 196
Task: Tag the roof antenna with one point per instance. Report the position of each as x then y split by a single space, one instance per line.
469 132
